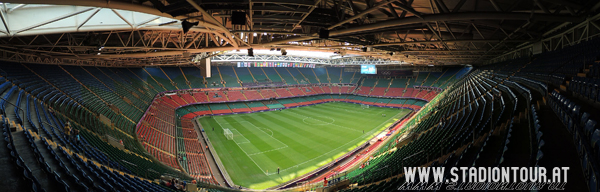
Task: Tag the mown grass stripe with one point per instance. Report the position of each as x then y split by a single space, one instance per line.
311 141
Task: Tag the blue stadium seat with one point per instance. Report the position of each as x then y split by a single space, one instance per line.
595 140
589 127
584 118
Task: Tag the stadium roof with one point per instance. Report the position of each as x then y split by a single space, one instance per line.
149 32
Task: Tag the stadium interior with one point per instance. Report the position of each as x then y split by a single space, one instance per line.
293 95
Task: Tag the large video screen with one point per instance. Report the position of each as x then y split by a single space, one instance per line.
368 69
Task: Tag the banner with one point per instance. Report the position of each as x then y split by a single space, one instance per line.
275 64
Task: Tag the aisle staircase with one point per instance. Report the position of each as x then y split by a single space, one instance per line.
275 68
170 80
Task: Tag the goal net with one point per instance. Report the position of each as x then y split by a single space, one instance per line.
228 134
364 106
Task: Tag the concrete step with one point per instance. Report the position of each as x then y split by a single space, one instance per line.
10 179
24 149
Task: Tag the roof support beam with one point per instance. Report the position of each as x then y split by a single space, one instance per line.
456 17
427 42
495 5
407 8
446 51
97 3
16 7
251 14
120 16
156 54
504 40
442 6
565 3
393 11
5 22
88 19
458 6
547 38
306 14
437 17
55 19
544 8
374 8
447 56
209 17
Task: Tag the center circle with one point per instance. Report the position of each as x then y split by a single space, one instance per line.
316 121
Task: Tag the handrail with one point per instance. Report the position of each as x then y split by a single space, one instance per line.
216 158
95 149
3 73
17 107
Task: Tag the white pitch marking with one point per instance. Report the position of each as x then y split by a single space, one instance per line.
324 121
267 151
246 152
295 166
249 155
351 141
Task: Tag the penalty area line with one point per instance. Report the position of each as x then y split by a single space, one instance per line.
261 169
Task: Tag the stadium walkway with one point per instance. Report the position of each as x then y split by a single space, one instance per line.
559 150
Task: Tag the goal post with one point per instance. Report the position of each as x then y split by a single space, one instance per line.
364 106
228 134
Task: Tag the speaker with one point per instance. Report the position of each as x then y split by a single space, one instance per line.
251 52
186 25
323 33
238 18
205 68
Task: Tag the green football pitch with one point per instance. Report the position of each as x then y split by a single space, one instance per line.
297 140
